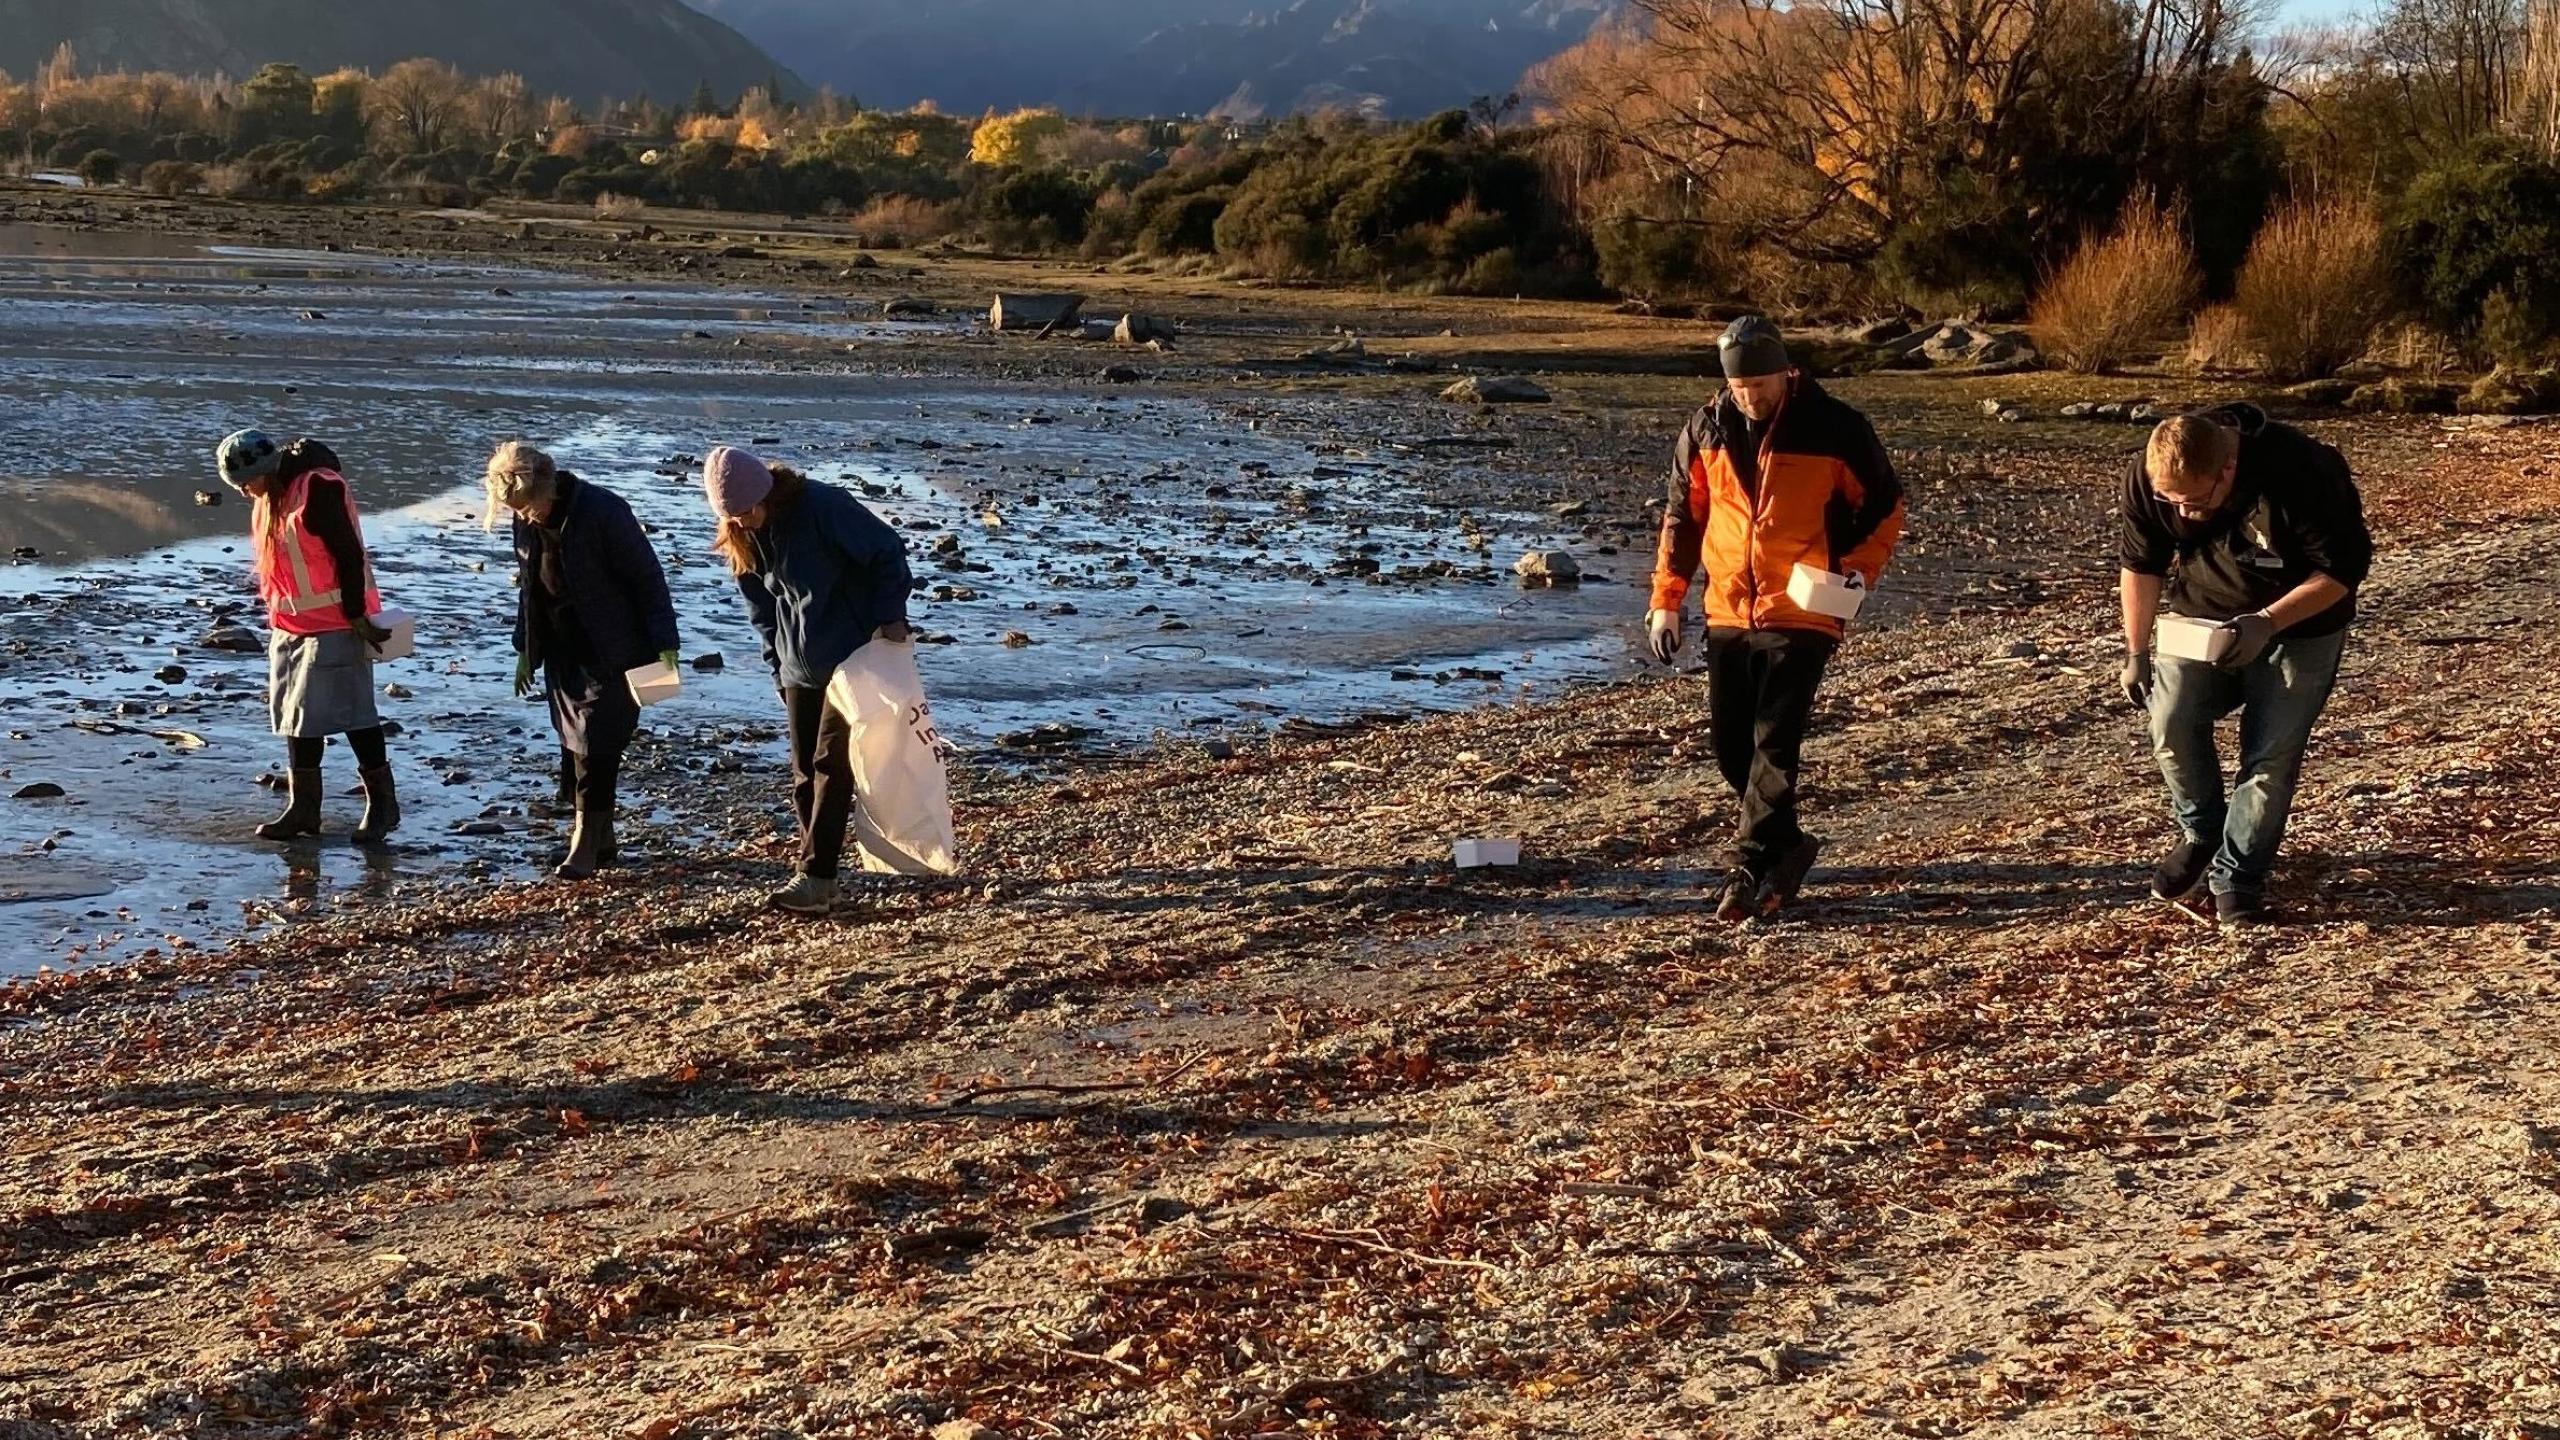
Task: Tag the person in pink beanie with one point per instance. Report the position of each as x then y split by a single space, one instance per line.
822 577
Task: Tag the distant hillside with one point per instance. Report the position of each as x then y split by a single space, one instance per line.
584 49
1244 58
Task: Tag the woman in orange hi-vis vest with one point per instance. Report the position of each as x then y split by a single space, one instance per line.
1775 476
321 635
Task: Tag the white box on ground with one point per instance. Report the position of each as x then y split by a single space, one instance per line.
404 633
2183 637
654 682
1825 593
1478 854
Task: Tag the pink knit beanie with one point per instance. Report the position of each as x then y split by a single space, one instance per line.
736 481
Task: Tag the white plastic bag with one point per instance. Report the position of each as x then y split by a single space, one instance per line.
902 814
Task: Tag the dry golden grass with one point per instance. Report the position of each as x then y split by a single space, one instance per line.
2119 294
2218 342
2315 286
899 220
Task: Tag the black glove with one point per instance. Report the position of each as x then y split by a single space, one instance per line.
2257 630
2136 679
373 635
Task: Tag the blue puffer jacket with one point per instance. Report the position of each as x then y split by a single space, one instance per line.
828 573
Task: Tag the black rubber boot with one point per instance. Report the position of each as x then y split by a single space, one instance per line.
301 815
590 844
381 806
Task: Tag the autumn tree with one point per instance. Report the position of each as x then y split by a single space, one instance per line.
416 105
1948 132
1008 142
339 102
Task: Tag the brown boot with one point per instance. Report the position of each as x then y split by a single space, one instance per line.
381 806
301 815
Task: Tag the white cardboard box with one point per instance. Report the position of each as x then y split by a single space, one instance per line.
1478 854
1825 593
2183 637
404 633
654 682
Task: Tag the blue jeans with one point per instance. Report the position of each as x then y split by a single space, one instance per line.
2279 696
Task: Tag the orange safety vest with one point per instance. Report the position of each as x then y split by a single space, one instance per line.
296 575
1820 472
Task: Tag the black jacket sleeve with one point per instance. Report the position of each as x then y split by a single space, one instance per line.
2145 544
1881 488
325 515
2324 517
644 580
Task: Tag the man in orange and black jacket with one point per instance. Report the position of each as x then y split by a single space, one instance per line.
1775 474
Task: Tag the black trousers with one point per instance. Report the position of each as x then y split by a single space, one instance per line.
1760 689
821 779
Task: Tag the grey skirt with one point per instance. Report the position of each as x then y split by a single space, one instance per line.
319 684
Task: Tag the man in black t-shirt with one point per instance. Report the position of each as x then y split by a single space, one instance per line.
2236 519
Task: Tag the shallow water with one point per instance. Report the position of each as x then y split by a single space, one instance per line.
1175 564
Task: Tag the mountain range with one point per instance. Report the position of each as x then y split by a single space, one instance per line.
1244 59
585 49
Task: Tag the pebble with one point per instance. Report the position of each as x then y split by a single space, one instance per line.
170 674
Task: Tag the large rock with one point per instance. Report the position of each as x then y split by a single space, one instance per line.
2332 391
1955 345
2400 395
1347 351
1034 312
2512 392
1496 390
1541 568
1135 329
234 638
909 305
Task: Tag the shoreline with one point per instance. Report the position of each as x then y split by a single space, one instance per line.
1213 1102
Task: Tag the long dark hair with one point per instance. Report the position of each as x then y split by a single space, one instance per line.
735 543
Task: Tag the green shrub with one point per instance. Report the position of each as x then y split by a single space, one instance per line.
2484 222
1965 253
1037 209
538 177
1418 206
2509 333
1656 261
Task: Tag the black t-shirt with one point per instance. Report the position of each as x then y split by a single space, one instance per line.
2293 512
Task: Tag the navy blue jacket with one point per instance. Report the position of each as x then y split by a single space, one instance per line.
610 576
828 573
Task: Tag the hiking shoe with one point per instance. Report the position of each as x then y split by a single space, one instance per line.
1786 878
2236 911
807 895
1734 901
2180 871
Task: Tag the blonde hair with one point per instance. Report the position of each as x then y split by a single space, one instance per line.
518 475
2190 447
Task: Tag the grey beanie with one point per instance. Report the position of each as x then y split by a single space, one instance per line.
1750 347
